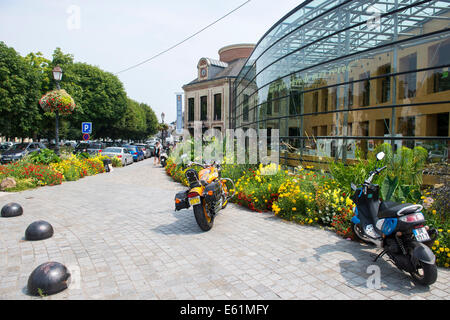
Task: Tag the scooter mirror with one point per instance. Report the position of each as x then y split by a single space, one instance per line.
380 155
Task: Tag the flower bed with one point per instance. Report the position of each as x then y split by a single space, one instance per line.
309 197
47 169
29 175
75 168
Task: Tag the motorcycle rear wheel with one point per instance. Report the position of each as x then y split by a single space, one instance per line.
428 274
204 221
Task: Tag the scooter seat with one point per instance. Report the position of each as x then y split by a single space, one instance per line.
389 209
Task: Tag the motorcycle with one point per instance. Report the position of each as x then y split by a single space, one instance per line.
163 156
399 229
208 193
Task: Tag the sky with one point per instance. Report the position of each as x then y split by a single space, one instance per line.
115 35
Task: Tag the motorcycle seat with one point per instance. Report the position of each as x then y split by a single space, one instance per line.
389 209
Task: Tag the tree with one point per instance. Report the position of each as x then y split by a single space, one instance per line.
102 98
19 92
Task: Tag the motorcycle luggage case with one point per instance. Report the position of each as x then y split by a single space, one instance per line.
215 188
181 201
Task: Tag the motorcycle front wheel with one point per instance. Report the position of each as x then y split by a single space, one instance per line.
425 274
359 234
204 221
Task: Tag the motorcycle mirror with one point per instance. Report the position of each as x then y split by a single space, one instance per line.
380 155
353 186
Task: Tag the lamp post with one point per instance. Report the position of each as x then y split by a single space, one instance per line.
57 76
163 131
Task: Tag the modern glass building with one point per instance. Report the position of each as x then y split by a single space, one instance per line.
337 75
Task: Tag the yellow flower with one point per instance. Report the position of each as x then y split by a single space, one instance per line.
434 211
294 209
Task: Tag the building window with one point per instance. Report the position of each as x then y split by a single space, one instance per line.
217 107
408 81
350 92
384 84
245 108
315 101
324 99
269 105
333 99
204 108
295 102
407 128
364 89
440 54
442 124
191 106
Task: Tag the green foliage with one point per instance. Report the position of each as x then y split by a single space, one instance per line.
116 162
100 98
45 156
400 181
19 92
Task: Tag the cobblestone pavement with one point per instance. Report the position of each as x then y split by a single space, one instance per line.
121 238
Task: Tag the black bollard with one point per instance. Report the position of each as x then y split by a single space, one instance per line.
11 209
48 278
39 230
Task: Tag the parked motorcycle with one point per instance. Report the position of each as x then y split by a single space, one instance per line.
208 193
164 155
399 229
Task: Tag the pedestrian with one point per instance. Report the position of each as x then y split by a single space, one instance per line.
157 153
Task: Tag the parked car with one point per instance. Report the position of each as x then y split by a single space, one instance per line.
5 146
145 148
20 150
138 154
70 143
152 146
81 147
122 153
93 148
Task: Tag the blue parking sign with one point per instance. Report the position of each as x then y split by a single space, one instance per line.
86 127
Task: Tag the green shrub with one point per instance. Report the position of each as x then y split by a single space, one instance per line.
44 156
116 162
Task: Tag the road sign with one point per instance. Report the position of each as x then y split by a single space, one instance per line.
86 136
86 127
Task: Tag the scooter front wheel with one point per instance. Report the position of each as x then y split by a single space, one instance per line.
204 220
359 233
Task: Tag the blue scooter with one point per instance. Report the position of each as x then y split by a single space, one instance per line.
399 229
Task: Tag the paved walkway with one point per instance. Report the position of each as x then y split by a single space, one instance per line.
121 238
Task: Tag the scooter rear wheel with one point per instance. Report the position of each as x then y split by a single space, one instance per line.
425 274
204 221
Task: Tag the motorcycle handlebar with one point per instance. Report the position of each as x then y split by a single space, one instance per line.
203 165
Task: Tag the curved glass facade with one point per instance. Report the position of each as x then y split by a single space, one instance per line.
336 75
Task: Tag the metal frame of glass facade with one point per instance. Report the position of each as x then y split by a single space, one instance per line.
333 75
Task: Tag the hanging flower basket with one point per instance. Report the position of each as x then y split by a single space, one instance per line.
57 100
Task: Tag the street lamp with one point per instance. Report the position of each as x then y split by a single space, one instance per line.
163 131
57 76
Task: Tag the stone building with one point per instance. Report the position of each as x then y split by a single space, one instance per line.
208 97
